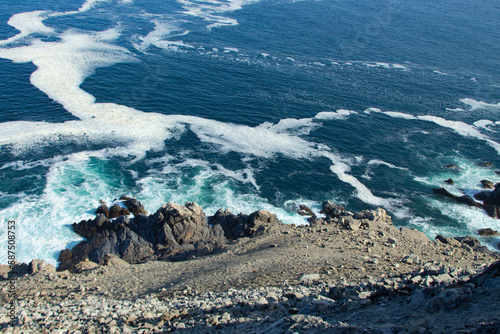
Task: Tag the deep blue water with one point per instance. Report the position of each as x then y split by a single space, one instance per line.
245 105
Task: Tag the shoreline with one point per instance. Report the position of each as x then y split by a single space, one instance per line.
352 273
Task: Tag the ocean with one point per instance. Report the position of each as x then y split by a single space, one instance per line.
245 105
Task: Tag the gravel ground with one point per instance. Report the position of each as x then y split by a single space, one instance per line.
332 276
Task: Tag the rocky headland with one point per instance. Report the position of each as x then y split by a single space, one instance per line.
178 270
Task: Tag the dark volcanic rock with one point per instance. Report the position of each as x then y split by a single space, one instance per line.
444 192
87 228
466 199
332 209
135 206
241 225
494 198
487 232
492 202
116 211
104 210
450 181
492 210
487 184
448 240
173 231
473 243
481 196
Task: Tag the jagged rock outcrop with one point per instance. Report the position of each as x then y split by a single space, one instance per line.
242 225
173 232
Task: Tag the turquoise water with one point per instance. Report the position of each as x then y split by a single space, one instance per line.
245 105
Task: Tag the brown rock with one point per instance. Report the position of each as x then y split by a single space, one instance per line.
487 184
117 211
104 210
84 266
487 232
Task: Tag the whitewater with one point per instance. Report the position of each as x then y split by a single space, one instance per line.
222 153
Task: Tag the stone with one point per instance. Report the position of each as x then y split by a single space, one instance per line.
117 210
442 278
487 232
332 209
322 303
113 260
84 266
65 255
487 184
448 240
294 295
446 300
411 259
310 278
134 206
450 181
494 197
104 210
170 315
481 196
40 266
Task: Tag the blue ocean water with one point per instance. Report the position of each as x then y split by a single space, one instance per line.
246 105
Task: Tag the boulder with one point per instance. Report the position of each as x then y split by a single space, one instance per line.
174 230
446 300
87 228
494 198
104 210
481 196
450 181
115 261
117 210
444 192
332 209
241 225
473 243
84 266
135 206
487 184
466 199
492 210
40 267
448 240
487 232
305 211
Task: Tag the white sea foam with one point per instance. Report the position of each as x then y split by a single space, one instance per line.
230 49
62 66
485 124
160 36
479 104
385 65
376 162
27 24
397 114
462 129
339 114
210 10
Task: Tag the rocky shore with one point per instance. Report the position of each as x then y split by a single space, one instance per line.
179 271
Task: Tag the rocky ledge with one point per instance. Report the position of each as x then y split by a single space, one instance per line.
344 272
